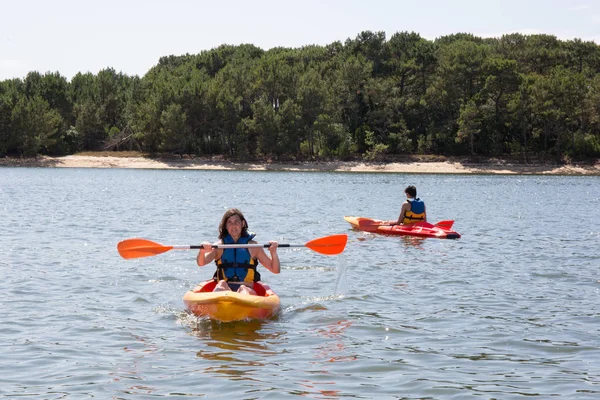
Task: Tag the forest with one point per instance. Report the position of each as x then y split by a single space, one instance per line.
529 97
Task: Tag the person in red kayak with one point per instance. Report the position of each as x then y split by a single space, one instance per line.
236 268
413 210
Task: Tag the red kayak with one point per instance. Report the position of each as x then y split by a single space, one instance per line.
441 230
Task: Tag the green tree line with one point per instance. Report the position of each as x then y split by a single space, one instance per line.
458 95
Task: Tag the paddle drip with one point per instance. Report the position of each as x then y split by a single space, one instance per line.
341 272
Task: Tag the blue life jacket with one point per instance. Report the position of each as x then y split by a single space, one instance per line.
236 265
416 213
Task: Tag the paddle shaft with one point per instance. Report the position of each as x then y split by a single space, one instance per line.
236 246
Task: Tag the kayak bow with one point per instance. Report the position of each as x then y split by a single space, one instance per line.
228 306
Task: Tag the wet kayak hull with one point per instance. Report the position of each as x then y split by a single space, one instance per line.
441 230
232 306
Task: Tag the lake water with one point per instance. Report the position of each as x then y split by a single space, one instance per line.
510 310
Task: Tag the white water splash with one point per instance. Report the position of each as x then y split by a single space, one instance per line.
342 263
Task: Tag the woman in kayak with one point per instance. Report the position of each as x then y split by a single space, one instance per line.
236 268
413 210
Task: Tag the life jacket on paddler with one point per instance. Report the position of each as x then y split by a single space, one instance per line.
236 265
416 212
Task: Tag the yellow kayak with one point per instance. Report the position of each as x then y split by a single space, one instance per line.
232 306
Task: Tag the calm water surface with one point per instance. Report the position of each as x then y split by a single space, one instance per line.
510 310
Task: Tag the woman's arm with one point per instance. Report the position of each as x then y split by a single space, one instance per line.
207 254
270 263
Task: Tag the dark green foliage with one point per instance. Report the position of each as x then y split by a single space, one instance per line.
517 95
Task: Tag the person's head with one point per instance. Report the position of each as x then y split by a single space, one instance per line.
411 191
232 219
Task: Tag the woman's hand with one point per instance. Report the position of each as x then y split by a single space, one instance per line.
206 247
273 246
205 255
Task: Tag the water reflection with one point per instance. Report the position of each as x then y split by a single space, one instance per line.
132 370
413 241
334 349
234 344
407 241
331 349
313 390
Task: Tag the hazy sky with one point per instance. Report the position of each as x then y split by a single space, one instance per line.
71 36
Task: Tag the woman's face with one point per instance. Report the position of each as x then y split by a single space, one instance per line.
234 225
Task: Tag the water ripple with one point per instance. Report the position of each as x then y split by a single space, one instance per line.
509 310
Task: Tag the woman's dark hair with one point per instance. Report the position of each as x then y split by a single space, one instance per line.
411 190
223 225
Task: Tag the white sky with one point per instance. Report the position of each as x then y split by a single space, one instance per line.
71 36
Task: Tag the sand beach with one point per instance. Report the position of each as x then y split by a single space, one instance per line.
448 166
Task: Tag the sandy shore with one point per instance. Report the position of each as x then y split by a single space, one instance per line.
425 167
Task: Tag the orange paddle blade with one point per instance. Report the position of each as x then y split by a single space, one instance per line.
136 248
329 245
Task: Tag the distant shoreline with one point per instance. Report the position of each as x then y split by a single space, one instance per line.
417 167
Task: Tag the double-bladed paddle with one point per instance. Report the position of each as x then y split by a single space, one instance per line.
137 248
